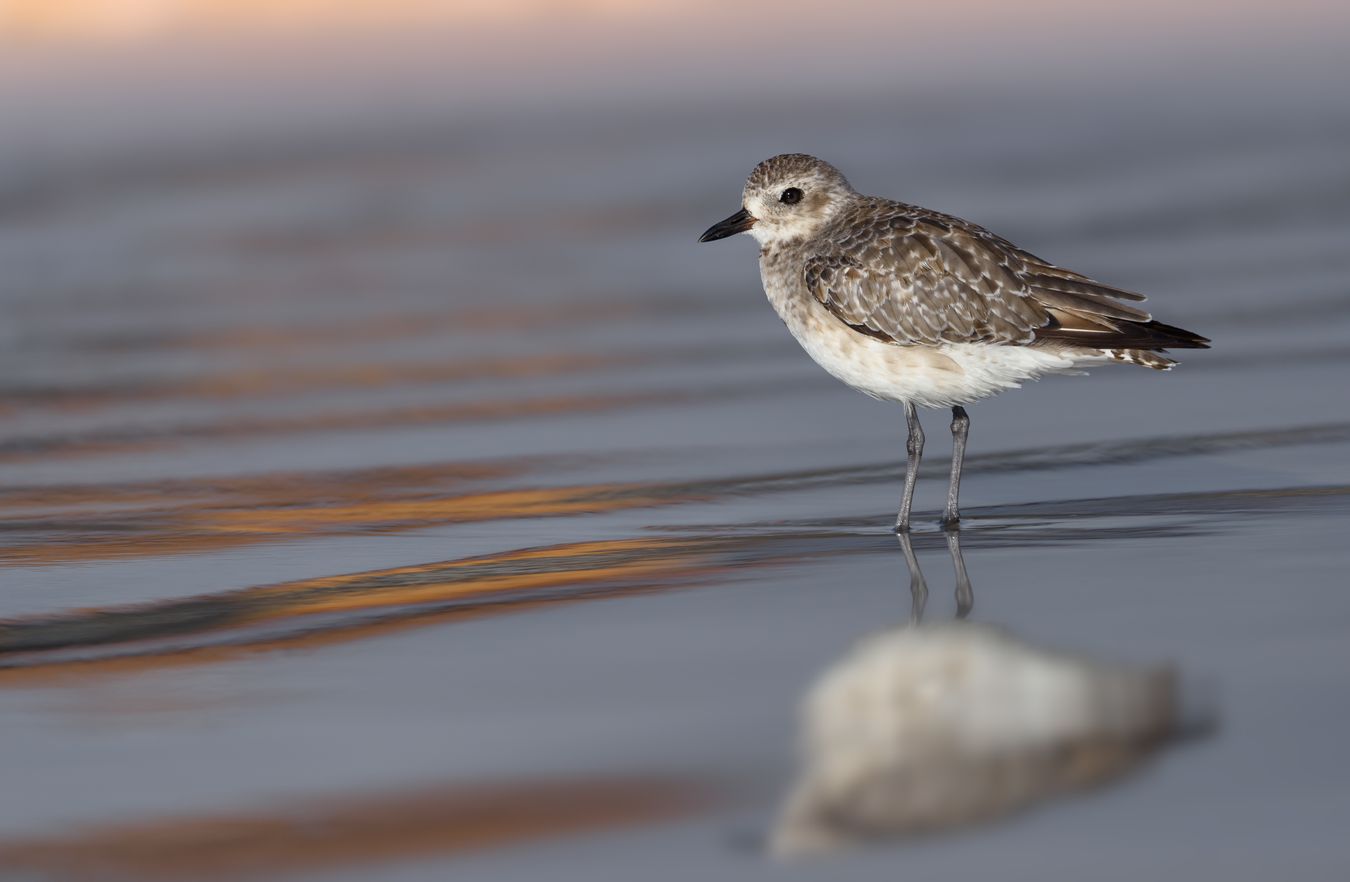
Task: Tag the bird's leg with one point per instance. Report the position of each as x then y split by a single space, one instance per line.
965 594
918 587
913 447
960 428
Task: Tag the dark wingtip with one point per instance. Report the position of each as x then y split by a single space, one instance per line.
1179 338
1152 336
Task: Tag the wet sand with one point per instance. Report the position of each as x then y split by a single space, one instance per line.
448 480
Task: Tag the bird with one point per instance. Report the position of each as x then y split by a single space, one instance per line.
924 309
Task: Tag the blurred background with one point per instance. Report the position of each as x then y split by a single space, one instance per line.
389 484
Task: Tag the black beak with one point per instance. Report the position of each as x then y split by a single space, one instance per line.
737 223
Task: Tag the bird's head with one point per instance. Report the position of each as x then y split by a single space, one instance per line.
787 197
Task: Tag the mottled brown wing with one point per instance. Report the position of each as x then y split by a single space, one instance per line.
1087 313
927 282
909 275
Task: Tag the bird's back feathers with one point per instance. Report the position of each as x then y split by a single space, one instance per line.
904 274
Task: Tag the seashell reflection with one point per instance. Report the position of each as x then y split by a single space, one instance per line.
924 729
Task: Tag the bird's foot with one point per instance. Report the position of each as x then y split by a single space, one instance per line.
951 521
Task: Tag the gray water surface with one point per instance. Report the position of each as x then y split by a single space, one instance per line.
450 459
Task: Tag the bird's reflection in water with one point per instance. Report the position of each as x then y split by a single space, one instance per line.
930 728
918 585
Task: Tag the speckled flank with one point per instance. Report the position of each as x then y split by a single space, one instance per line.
928 375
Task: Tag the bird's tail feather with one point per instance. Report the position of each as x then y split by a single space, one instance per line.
1142 357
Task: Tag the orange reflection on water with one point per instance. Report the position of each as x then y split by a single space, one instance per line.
488 584
279 514
275 488
576 309
273 382
444 819
142 439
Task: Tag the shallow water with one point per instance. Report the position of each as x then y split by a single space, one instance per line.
444 479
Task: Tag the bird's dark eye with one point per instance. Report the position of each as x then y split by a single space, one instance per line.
791 196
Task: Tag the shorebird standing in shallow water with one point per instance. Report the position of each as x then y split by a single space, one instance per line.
910 305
